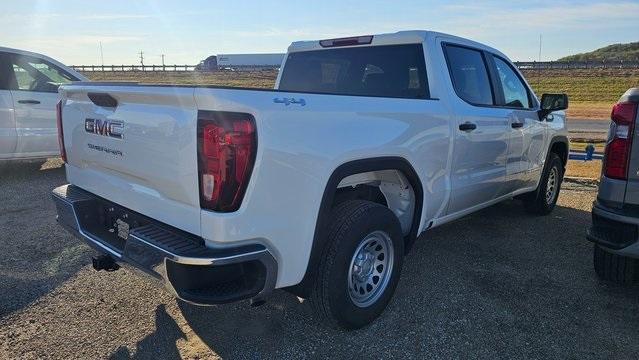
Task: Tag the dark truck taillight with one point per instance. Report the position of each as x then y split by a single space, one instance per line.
58 116
226 153
349 41
620 140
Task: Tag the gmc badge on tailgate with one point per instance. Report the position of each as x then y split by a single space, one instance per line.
110 128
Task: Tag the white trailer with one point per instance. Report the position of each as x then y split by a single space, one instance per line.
249 61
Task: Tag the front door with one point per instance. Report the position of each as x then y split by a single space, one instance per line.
526 154
35 94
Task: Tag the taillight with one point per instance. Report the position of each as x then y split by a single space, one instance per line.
226 153
349 41
58 116
620 140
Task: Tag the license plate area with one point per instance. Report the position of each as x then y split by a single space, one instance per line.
108 222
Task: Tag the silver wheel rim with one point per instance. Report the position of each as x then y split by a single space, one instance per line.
552 185
370 269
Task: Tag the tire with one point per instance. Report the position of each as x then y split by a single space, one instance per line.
615 268
542 201
368 229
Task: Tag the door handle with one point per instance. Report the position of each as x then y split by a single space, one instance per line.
33 102
467 126
516 125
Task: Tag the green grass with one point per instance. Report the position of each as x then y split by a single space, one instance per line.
584 85
625 52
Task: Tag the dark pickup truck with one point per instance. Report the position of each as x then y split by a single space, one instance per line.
615 213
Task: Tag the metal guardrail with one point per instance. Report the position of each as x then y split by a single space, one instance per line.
542 65
111 68
523 65
90 68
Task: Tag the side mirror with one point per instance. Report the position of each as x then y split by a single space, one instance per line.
552 102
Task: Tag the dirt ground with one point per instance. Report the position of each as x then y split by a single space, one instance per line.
497 284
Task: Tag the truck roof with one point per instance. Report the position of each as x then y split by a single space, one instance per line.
44 57
400 37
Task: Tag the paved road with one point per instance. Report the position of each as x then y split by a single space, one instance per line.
588 125
497 284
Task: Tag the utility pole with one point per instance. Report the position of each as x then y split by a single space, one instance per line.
101 54
162 60
142 58
539 47
539 83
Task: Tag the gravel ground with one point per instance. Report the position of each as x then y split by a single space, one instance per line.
496 284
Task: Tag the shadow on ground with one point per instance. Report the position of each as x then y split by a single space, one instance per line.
159 344
37 254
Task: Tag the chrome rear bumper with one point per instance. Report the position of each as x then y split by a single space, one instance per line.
189 269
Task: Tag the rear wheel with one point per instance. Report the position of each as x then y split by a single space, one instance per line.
543 200
360 266
615 268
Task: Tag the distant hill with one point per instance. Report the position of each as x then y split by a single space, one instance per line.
626 52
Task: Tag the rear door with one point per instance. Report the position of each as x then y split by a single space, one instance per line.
35 94
482 132
8 135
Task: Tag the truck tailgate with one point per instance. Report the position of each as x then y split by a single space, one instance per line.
141 154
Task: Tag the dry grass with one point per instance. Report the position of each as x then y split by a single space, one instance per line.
589 110
256 79
584 169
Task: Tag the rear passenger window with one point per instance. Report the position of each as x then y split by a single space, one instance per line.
515 92
34 74
389 71
469 75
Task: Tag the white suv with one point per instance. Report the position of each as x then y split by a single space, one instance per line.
28 96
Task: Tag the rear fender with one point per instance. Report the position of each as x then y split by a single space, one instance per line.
343 171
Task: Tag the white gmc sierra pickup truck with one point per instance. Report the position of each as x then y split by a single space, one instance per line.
320 186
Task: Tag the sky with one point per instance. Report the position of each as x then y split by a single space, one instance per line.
187 31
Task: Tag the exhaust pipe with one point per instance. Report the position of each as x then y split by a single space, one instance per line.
104 262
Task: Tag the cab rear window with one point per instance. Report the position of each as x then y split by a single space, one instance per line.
388 71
